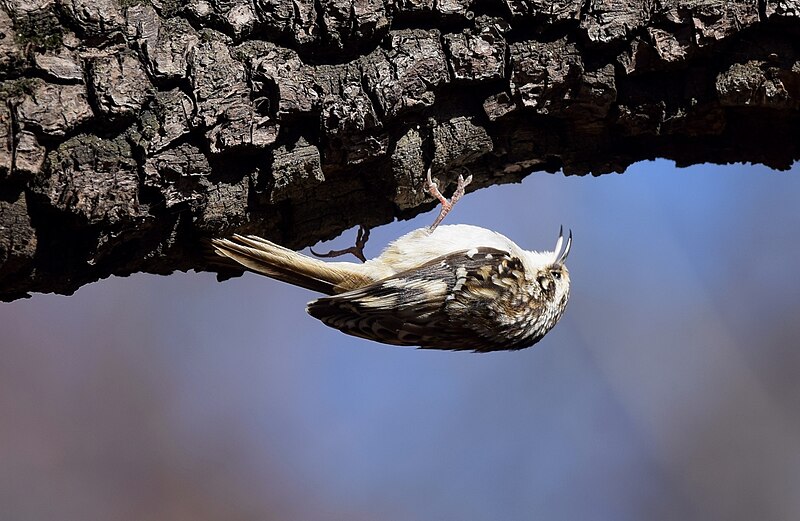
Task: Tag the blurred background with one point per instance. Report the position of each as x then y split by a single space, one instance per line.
669 390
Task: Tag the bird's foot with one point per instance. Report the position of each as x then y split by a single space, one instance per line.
357 250
433 188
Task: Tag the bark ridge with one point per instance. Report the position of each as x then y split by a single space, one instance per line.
130 130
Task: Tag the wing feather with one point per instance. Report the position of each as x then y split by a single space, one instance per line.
455 302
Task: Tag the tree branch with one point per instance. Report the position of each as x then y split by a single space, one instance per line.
131 131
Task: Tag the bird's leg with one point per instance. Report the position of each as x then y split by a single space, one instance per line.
357 250
446 205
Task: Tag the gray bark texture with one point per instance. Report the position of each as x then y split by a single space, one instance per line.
132 130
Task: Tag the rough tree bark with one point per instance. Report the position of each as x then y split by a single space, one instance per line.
132 129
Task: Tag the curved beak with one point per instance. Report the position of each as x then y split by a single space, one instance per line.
561 256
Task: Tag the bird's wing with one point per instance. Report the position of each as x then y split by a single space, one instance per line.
475 299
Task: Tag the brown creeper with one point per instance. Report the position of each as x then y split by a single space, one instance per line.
456 287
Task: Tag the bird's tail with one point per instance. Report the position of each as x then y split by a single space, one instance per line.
270 259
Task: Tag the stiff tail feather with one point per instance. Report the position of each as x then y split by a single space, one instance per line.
270 259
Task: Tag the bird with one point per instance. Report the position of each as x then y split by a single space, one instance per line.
453 287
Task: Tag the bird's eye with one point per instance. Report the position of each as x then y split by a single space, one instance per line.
556 275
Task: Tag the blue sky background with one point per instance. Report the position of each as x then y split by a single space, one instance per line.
669 390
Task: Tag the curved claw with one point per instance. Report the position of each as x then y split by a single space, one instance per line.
447 205
357 250
430 185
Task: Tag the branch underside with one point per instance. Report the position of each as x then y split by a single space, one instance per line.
131 131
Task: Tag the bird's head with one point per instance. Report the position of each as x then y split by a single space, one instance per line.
552 277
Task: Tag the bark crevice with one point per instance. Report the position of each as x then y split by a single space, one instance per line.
131 131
